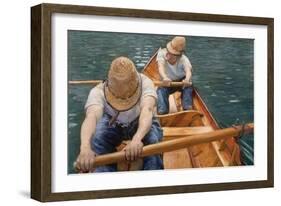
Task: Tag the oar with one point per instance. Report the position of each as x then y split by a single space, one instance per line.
96 82
175 144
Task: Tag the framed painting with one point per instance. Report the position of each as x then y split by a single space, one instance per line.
130 102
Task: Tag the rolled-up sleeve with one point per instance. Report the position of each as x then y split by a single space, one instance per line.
186 63
161 56
148 88
96 97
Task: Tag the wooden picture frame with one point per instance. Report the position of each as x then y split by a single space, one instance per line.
41 99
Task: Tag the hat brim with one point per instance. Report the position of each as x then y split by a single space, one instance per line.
123 104
172 50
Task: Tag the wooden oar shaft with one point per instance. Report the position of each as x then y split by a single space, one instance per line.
192 140
176 144
92 82
96 82
172 84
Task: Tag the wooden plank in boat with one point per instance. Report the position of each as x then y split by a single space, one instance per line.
177 100
185 131
177 159
179 119
205 155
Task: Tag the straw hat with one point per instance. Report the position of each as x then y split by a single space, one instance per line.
176 46
123 86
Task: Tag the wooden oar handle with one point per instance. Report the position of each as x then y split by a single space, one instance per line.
171 84
171 145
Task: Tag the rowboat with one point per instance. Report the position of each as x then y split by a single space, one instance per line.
199 120
191 139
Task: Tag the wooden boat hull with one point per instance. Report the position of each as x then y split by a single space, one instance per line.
213 154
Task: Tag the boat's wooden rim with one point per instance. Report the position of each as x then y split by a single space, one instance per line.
150 60
212 119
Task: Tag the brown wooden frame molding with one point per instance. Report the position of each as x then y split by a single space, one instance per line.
41 118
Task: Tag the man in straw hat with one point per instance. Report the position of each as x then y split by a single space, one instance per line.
120 108
174 66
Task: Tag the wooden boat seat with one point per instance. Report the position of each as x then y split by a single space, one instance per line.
181 119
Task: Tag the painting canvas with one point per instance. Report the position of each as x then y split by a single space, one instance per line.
222 75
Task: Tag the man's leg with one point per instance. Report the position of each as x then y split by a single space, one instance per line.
186 98
163 100
155 135
105 140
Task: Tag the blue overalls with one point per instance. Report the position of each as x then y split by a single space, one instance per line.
108 136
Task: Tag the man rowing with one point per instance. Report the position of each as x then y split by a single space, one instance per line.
120 109
174 66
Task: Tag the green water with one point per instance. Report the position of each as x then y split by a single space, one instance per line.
223 74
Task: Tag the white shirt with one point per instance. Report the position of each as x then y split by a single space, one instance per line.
177 70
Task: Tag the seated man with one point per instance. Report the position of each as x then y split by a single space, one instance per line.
174 66
119 109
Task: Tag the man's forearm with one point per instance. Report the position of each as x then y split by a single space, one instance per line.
188 75
87 130
162 71
145 122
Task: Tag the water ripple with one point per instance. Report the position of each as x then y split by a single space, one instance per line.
72 124
234 101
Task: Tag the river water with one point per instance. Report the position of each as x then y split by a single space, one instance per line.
223 71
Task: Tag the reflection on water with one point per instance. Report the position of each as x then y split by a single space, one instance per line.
222 72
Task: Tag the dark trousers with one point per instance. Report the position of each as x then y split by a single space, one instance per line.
108 137
163 98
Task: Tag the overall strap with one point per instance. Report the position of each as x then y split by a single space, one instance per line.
113 118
